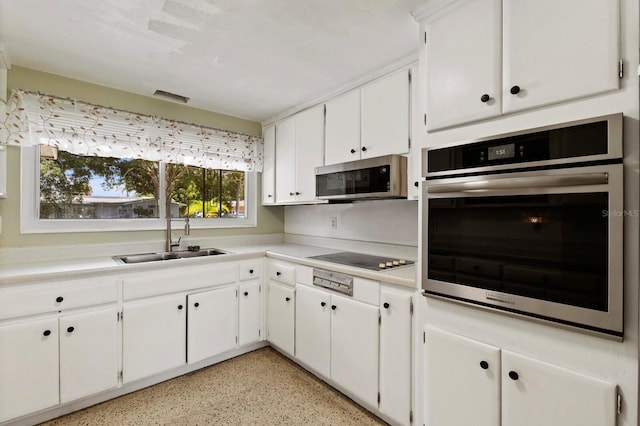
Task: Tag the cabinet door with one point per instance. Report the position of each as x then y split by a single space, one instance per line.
354 348
88 353
385 116
154 334
395 355
212 327
462 381
249 312
309 151
280 316
313 327
28 367
269 166
567 397
286 160
463 63
342 128
556 51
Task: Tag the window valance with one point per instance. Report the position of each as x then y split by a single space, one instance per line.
86 129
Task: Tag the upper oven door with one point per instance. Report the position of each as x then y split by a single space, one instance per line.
547 243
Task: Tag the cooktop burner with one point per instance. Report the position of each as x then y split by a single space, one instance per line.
360 260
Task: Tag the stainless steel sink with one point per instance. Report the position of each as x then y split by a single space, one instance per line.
155 257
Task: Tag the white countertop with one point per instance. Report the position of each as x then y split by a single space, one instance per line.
297 253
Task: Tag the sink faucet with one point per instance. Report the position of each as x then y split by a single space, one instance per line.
170 243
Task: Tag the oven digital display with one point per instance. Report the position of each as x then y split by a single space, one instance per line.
501 151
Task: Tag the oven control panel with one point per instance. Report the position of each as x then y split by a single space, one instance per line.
335 281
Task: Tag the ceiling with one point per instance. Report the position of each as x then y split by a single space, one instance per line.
246 58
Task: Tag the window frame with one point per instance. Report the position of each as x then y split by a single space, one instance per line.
30 222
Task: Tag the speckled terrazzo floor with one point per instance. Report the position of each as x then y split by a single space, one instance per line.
259 388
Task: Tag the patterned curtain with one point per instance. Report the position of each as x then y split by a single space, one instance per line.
85 129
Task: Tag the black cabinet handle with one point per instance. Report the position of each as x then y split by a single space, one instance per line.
179 307
70 330
353 151
485 98
287 298
386 305
416 184
364 148
291 193
246 293
323 304
515 90
297 193
513 375
196 304
269 196
333 307
59 299
47 332
251 271
484 365
278 273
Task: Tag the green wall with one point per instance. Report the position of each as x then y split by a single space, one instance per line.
270 219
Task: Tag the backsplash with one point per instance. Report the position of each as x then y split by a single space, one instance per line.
383 221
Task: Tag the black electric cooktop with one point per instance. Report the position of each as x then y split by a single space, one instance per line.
361 260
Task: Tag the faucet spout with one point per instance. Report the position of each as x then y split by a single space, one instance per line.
170 244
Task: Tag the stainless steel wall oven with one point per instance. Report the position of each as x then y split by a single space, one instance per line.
530 223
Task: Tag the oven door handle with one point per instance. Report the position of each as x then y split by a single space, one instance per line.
582 179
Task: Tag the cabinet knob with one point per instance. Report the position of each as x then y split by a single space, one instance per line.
59 299
251 271
353 151
386 305
246 293
269 195
287 298
484 365
278 273
515 90
323 304
333 307
179 307
46 332
196 304
364 148
513 375
291 193
297 193
485 98
70 329
416 184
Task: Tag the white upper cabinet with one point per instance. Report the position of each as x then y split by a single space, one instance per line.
269 166
484 58
558 50
299 150
342 128
370 121
463 62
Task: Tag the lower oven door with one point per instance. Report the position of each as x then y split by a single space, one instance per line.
545 243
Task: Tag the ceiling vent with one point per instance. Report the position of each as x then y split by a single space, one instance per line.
171 96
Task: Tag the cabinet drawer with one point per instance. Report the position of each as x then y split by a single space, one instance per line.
283 272
250 269
41 298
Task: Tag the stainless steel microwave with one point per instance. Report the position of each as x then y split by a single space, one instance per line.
371 178
530 224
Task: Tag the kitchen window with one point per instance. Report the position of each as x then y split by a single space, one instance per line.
91 168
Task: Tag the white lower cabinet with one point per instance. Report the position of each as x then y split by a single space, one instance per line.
212 326
249 312
153 336
280 316
29 374
89 358
313 329
395 354
354 347
48 361
469 382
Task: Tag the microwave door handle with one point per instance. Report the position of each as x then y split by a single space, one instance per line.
582 179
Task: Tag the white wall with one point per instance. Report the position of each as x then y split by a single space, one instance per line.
382 221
